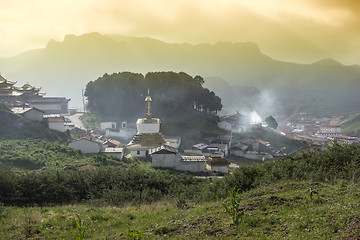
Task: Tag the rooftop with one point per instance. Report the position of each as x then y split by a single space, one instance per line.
147 140
163 149
193 158
113 150
21 110
55 119
331 125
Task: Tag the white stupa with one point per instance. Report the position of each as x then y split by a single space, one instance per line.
148 133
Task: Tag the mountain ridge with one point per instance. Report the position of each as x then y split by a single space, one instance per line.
64 68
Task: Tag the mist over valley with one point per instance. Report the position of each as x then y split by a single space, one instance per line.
239 73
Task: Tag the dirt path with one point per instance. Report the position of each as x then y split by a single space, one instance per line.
75 118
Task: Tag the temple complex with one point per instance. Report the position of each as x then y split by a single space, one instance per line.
148 133
30 96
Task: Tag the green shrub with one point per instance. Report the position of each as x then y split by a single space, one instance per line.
233 207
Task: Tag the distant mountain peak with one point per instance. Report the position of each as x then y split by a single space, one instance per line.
328 62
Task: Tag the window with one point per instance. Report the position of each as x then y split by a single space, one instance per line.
138 152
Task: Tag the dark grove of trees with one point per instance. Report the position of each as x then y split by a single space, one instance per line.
271 122
122 94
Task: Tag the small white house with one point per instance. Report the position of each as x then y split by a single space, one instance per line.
87 146
234 123
56 123
126 133
115 152
168 157
107 125
33 113
124 130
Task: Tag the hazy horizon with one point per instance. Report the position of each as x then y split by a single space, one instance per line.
296 31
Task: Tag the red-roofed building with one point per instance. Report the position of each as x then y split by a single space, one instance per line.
329 130
346 139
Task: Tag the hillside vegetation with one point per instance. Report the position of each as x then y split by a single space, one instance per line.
313 196
32 154
340 162
13 126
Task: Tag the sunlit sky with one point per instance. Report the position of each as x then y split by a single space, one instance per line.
290 30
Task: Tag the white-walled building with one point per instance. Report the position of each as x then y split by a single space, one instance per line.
107 125
235 123
87 145
168 157
335 128
51 105
56 123
123 130
33 114
115 152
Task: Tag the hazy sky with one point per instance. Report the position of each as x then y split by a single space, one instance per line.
293 30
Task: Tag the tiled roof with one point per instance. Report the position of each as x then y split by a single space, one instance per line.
113 150
345 137
331 125
55 119
163 149
20 110
193 158
147 140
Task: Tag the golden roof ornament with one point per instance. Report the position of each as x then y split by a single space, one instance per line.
148 108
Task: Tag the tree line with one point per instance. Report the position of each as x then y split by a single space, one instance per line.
122 94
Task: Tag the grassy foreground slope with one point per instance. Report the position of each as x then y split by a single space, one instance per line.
283 210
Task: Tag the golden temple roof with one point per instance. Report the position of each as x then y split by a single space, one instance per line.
4 81
147 140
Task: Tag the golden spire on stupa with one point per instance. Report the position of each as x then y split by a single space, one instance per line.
148 108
